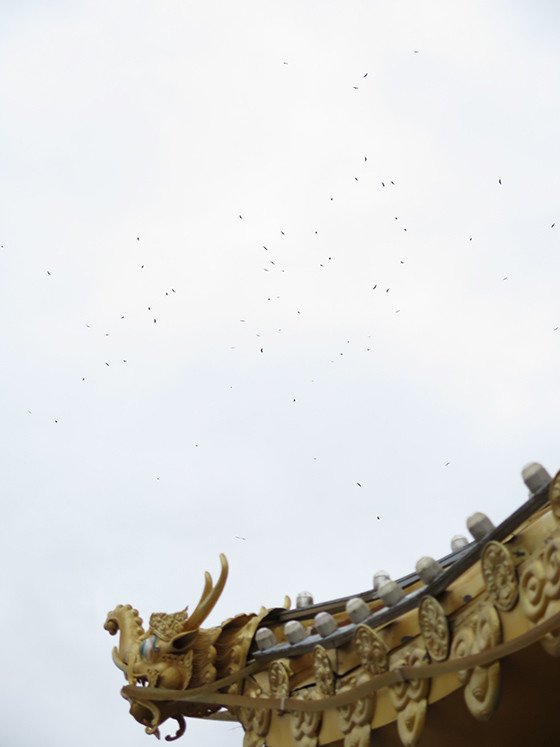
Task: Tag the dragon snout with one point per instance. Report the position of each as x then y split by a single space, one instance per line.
111 626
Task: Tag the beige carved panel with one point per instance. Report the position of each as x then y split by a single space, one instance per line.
371 650
554 497
479 632
498 571
434 627
539 585
256 723
409 698
355 718
305 725
279 680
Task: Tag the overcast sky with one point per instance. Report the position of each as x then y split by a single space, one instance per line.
278 280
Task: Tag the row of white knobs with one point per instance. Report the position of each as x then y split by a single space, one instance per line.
479 525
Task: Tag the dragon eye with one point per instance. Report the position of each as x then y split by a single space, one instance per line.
148 648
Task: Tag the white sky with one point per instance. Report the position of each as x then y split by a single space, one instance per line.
133 136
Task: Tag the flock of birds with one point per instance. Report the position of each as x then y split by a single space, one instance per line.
274 264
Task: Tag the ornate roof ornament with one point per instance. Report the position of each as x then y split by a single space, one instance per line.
374 665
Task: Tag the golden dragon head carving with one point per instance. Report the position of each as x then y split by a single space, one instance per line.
173 653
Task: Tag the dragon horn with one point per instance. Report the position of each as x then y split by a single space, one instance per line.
210 596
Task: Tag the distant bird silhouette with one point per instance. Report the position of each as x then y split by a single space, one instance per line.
365 76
